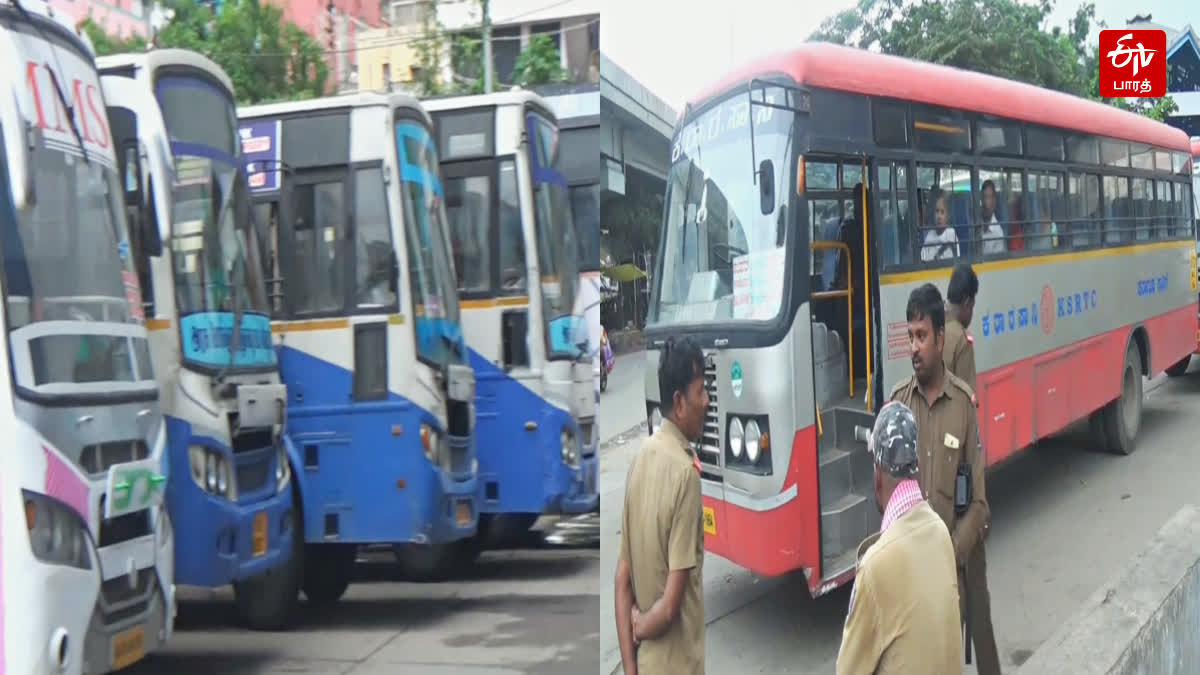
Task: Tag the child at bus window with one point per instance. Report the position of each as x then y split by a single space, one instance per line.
941 241
991 232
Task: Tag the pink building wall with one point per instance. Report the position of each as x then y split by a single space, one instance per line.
119 18
313 17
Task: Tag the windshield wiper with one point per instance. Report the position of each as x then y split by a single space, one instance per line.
62 98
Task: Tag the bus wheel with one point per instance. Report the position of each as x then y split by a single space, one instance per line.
1180 367
268 601
426 563
1123 416
327 572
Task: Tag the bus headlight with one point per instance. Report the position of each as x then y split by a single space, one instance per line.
57 535
283 471
737 437
431 442
752 438
212 472
570 451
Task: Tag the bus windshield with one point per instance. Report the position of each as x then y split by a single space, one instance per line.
722 259
557 247
430 271
216 287
72 297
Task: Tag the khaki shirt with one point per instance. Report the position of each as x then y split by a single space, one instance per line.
959 352
662 529
947 435
903 615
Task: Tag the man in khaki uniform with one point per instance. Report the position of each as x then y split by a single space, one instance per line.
903 615
659 601
948 429
959 356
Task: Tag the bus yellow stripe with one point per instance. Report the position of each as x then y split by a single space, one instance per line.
157 324
1032 261
302 326
489 303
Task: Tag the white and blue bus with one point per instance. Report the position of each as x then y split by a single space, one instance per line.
86 552
367 328
516 257
174 125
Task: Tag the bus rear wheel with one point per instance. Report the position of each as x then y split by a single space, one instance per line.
268 601
426 563
327 572
1122 417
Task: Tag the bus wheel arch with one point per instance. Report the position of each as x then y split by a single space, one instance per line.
268 601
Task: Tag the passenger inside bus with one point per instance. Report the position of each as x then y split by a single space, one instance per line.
1044 234
941 240
991 233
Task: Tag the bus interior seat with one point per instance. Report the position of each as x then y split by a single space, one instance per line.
960 217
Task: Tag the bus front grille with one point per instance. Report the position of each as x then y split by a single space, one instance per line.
709 447
98 458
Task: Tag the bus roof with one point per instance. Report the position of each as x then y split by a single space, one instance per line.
391 100
829 66
159 58
511 97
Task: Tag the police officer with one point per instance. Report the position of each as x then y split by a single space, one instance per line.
959 356
904 614
951 462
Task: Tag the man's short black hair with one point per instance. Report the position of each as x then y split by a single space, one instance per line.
680 362
964 284
926 301
986 185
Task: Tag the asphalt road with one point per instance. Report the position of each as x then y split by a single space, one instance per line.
529 611
1065 519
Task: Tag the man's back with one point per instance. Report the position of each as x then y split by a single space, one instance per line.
662 530
904 616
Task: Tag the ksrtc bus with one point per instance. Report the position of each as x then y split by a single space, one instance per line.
88 582
175 131
1074 214
517 262
367 329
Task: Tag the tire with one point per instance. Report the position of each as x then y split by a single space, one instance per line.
603 381
268 601
327 572
1180 368
429 563
1123 416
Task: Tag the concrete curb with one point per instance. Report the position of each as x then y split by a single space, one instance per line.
1143 620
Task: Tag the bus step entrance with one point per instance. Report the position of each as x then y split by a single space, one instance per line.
848 511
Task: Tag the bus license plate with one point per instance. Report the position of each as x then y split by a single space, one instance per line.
462 514
259 535
128 648
710 521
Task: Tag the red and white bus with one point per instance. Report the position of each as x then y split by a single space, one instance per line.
1087 267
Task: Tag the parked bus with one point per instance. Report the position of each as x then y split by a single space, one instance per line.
1087 276
367 329
510 222
89 582
175 133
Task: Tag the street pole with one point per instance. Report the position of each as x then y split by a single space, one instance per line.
487 48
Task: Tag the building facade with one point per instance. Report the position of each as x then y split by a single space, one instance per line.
119 18
1183 80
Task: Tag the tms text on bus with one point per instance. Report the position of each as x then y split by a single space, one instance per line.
1085 256
510 222
93 566
367 328
174 124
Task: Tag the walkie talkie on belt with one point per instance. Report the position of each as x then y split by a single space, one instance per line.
962 499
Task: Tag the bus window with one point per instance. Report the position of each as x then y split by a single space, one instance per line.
1164 210
1043 207
945 230
1116 209
991 234
1141 196
375 273
317 284
468 206
891 214
1015 210
512 242
1084 191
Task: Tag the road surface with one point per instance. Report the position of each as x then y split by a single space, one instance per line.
623 402
521 612
1065 519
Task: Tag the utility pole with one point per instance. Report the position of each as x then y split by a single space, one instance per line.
487 48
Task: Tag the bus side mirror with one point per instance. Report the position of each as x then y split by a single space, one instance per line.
151 239
766 186
18 153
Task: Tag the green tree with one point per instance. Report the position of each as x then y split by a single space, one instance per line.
539 63
466 60
266 58
429 49
1006 38
633 221
105 44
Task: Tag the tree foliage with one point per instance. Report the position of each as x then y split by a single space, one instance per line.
539 63
268 59
633 221
1006 38
429 47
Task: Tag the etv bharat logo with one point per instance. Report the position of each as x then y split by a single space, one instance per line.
1133 63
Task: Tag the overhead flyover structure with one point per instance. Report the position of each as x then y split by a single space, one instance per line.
635 153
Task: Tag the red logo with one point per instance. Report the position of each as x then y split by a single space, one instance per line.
1046 310
1133 63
